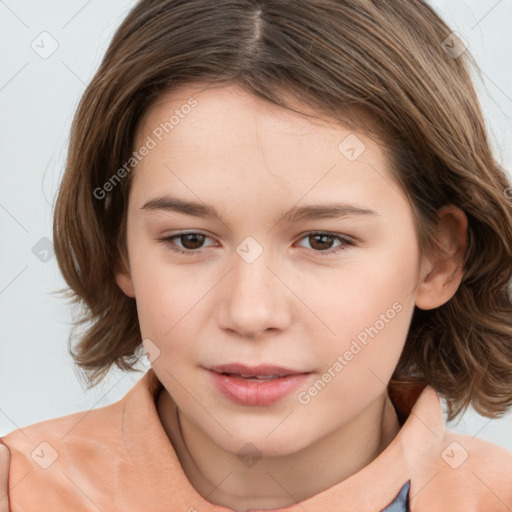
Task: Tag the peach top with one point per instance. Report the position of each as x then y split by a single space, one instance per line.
119 458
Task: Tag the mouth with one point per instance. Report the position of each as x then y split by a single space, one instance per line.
261 385
253 378
257 373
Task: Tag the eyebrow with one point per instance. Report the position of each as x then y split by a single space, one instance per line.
294 214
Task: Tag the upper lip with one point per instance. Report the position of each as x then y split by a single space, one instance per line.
253 371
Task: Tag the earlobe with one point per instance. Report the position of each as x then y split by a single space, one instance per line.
442 276
124 280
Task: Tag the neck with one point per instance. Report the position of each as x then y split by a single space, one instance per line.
219 477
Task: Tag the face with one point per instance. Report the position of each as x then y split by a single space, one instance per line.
327 290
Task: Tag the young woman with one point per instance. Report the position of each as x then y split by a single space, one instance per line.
294 209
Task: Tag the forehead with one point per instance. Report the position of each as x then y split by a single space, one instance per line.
222 110
222 142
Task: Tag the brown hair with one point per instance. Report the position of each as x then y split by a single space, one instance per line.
389 60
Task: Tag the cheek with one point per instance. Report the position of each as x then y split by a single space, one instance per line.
166 308
163 291
369 312
171 310
358 294
359 362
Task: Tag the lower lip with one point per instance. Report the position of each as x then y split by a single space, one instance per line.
244 392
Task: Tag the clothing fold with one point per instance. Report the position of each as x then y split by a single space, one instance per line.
119 458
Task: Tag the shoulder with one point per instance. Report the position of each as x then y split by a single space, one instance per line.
91 436
92 433
478 455
97 424
50 458
473 472
53 462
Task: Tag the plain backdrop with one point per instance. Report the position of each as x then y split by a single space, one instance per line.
38 97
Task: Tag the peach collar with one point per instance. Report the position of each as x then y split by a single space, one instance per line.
153 460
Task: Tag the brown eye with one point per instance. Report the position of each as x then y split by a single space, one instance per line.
322 243
192 241
185 243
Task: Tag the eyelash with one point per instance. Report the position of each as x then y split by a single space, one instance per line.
169 242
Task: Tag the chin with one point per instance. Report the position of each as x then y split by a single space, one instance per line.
254 445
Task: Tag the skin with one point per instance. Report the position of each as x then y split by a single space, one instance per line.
5 460
293 306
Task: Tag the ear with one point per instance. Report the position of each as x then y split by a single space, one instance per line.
124 278
441 276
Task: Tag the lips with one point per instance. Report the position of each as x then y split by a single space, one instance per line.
260 372
261 385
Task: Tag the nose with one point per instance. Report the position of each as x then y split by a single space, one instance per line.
254 299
